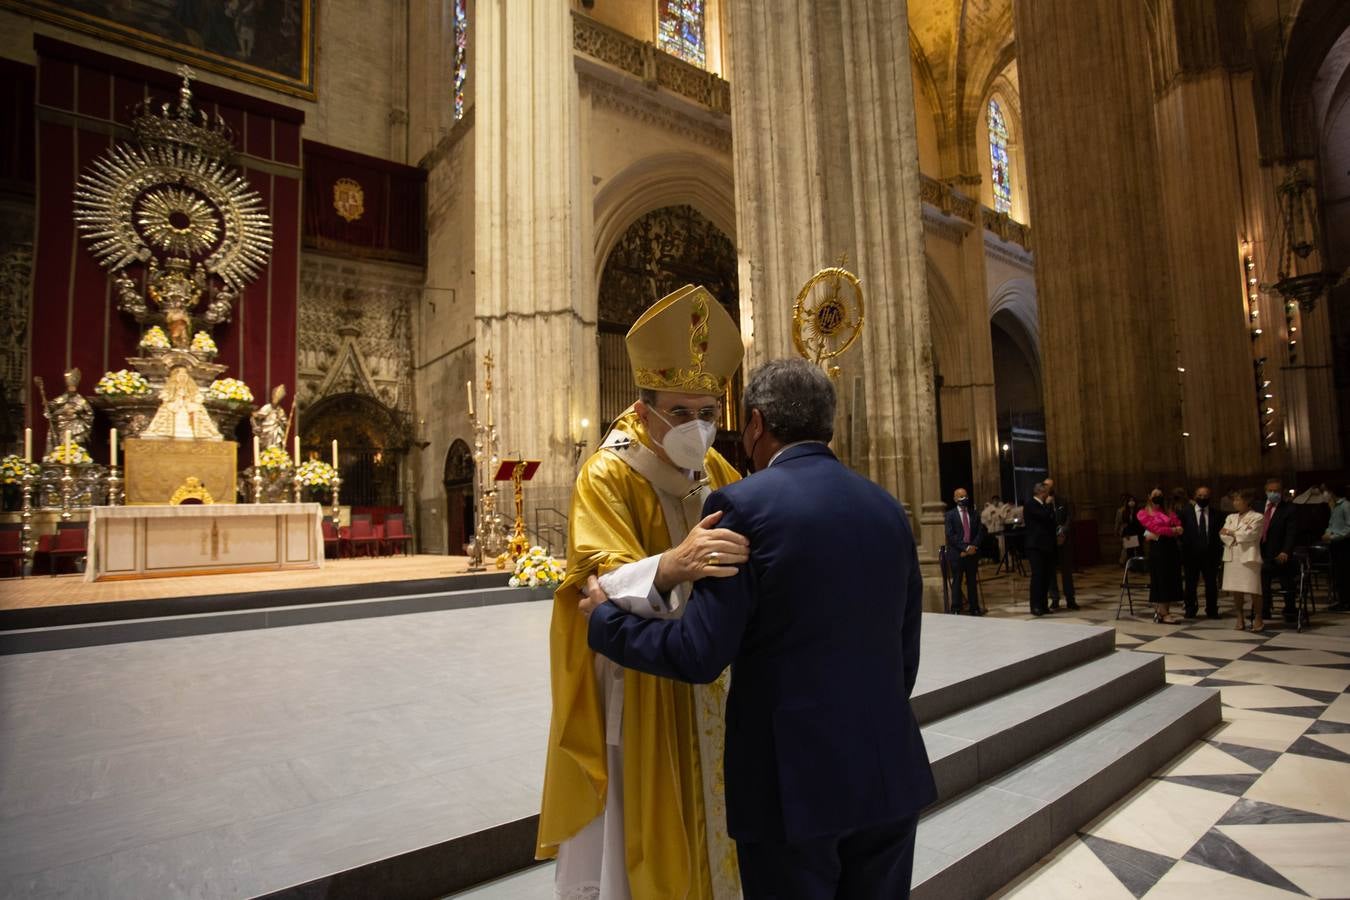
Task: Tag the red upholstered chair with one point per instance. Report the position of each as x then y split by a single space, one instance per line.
361 536
396 535
69 544
11 550
331 538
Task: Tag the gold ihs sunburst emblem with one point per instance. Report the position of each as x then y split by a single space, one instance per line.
348 199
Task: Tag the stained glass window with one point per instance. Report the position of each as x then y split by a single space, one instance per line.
680 30
998 159
461 54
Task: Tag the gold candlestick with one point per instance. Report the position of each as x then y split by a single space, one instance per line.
67 489
29 545
115 494
337 506
257 480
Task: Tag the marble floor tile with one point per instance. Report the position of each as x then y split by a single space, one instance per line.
1338 710
1188 881
1194 647
1206 759
1339 742
1162 817
1262 696
1072 870
1299 853
1178 678
1253 728
1177 661
1218 851
1302 782
1126 640
1302 657
1289 676
1310 640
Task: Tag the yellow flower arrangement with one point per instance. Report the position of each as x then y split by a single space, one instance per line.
275 459
78 455
154 339
537 569
230 389
315 473
122 383
12 469
202 343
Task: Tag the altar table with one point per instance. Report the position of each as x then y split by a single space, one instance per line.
162 541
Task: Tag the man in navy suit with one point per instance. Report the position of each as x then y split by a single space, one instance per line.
1202 551
825 769
1040 545
965 533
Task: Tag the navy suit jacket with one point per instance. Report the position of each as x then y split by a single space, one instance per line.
821 629
1041 525
956 534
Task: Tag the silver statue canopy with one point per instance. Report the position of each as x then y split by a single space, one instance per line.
176 204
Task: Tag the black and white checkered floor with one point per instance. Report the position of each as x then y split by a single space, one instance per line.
1261 807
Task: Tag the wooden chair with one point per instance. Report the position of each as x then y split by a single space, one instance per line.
11 550
361 536
69 544
396 534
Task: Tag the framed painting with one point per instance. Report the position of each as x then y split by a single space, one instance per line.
264 42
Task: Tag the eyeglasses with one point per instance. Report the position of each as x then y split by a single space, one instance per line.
682 414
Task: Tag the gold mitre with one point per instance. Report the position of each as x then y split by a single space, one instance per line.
685 342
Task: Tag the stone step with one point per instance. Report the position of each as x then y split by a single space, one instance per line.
974 844
985 740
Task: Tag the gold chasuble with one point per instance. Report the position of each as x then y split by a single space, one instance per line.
672 733
616 518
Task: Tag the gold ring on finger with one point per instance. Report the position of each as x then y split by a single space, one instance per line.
712 558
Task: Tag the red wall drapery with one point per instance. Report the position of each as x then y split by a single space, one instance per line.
84 103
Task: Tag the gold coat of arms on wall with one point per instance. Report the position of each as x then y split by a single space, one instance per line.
348 199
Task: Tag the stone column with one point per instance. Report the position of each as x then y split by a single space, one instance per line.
1108 337
827 163
531 282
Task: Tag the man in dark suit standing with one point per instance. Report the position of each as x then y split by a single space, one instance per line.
1201 551
825 768
1063 569
965 533
1277 551
1039 545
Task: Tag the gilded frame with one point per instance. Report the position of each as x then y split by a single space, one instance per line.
301 85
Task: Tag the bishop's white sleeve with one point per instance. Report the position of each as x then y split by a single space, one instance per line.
632 587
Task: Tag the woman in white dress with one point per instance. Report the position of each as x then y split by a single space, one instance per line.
1241 536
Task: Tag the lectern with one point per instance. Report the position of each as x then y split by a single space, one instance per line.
518 471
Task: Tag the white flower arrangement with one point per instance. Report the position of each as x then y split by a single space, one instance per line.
13 467
315 473
229 389
202 343
78 455
274 459
154 339
122 383
537 569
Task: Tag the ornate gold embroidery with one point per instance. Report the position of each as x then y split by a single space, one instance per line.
692 379
348 199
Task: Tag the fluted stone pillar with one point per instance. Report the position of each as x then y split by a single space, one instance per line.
1108 337
827 163
530 282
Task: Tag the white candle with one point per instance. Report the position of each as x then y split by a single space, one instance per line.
112 437
489 412
470 387
297 450
28 445
335 465
256 453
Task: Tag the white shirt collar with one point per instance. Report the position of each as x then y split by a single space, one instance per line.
785 447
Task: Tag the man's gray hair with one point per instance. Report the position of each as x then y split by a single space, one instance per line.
795 398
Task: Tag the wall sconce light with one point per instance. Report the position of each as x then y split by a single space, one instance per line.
580 446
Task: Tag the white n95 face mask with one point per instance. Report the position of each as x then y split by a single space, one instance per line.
687 444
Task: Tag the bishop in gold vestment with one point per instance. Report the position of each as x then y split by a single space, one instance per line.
632 787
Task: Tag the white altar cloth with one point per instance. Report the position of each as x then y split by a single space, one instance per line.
161 541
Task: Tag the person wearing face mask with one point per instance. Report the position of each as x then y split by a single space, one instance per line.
965 533
1201 551
1337 539
632 789
1162 531
1277 552
1241 533
826 770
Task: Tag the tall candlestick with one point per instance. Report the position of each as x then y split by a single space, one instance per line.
257 455
28 445
67 445
489 414
335 465
297 451
470 387
112 456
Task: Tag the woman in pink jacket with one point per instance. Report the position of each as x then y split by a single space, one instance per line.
1162 533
